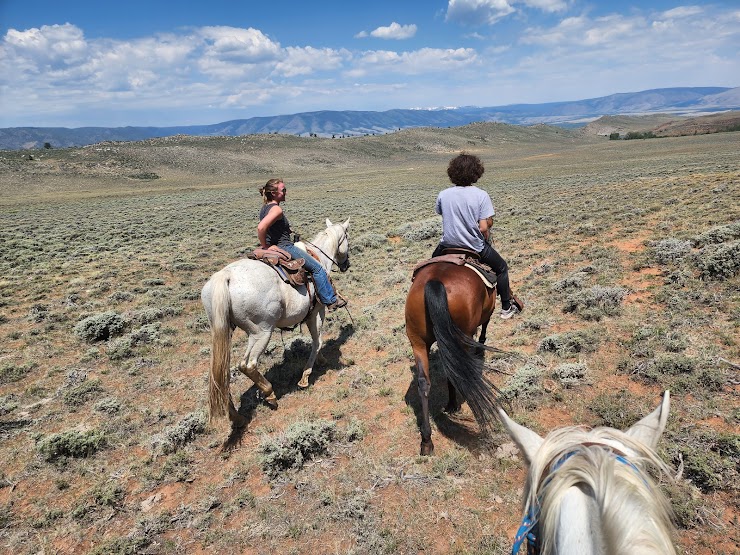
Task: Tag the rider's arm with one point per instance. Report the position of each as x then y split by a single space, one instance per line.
270 218
483 226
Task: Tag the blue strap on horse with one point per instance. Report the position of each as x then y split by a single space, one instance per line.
529 529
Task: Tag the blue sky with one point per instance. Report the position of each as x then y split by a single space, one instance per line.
81 63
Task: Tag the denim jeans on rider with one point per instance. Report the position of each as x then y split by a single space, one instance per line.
323 288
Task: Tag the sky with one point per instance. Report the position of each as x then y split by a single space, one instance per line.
76 63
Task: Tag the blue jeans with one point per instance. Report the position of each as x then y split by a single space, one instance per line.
324 290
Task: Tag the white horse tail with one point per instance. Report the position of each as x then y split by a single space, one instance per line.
218 387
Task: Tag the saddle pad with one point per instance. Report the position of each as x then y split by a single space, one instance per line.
485 280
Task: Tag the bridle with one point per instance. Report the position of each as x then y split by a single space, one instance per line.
529 529
344 265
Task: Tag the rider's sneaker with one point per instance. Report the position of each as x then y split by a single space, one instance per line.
509 312
516 307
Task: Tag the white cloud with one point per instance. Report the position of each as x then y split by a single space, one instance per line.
489 12
394 31
478 12
235 45
307 60
422 61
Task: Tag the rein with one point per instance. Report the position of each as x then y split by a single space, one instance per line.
529 529
344 238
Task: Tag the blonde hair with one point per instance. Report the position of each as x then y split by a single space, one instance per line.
268 190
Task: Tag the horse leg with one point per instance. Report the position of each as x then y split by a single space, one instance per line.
238 420
484 327
421 355
248 366
314 323
453 405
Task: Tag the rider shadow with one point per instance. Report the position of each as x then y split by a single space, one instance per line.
284 375
460 427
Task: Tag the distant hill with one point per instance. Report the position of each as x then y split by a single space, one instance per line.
665 125
677 101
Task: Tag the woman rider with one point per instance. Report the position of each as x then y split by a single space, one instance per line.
466 214
274 230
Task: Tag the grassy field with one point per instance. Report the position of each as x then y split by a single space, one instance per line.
626 253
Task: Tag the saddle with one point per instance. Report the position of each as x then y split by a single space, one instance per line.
289 269
461 257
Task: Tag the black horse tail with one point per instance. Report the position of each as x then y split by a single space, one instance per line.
461 358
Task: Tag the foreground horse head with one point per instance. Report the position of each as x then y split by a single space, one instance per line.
250 295
588 491
446 303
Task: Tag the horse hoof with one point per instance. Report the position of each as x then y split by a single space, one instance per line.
239 422
272 401
427 449
303 384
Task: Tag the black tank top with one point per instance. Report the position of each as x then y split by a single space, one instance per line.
279 232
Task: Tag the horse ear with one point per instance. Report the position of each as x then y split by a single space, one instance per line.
527 440
345 225
328 223
649 429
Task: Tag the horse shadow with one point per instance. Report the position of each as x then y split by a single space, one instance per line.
284 375
457 426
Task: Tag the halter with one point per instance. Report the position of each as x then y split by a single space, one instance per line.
529 529
344 266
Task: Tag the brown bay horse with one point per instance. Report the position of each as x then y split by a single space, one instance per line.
446 303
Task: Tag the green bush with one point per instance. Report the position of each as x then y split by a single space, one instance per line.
526 383
616 410
100 327
11 372
670 251
719 262
569 343
82 393
58 447
299 443
174 437
571 374
719 234
596 302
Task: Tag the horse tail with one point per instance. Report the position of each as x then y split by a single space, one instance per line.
460 357
218 385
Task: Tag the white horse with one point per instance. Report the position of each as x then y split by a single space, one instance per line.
588 492
250 295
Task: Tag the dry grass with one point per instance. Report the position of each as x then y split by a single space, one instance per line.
105 349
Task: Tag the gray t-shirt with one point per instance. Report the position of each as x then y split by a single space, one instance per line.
461 209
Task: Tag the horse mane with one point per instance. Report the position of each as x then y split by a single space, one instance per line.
636 518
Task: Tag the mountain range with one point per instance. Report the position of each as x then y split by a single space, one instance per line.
678 100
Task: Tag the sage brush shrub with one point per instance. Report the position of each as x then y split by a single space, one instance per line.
711 459
719 262
524 384
616 410
420 231
573 281
100 327
569 343
174 437
571 374
299 443
11 372
719 234
670 251
74 444
369 241
595 302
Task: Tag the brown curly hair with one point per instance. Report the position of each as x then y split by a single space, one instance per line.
465 169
